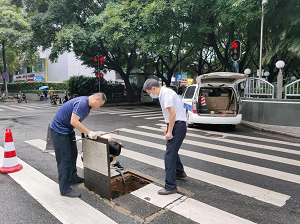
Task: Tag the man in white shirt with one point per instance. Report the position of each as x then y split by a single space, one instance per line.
175 132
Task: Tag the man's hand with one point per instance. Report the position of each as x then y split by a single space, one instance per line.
92 135
169 136
166 130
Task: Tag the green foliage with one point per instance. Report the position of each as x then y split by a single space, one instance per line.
16 34
85 86
33 87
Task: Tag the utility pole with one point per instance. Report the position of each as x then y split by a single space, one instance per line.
4 66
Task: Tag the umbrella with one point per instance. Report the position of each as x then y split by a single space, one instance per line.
44 87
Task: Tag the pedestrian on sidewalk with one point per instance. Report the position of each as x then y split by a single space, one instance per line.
68 117
174 133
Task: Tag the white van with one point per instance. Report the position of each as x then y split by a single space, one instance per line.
214 99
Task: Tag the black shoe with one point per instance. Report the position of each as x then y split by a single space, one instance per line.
118 165
181 175
78 180
72 194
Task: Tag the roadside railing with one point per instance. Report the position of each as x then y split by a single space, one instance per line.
258 87
292 89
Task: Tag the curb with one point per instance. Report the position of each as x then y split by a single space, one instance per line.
257 127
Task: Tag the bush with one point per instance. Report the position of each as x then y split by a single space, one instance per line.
85 86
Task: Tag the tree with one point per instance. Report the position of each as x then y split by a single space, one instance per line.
15 34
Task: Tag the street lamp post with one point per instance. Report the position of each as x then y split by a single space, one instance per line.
263 3
247 71
279 65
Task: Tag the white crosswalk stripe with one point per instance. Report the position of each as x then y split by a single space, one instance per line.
9 108
226 162
241 136
188 207
42 188
234 150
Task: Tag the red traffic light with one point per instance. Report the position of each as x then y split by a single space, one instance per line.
101 59
95 59
234 44
97 75
101 75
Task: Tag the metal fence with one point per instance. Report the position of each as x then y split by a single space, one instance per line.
258 87
292 89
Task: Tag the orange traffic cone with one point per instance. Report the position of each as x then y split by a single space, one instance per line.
203 108
10 161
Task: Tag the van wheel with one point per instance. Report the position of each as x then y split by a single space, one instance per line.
231 127
190 125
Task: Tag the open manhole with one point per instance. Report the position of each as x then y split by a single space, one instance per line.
132 182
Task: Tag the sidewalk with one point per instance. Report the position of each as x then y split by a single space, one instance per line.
283 130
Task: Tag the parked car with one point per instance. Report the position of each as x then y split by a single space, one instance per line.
214 99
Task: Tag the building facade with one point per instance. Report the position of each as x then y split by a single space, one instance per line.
63 68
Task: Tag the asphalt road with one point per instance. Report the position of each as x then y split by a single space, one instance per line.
244 175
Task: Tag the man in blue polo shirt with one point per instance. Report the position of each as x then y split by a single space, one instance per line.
68 117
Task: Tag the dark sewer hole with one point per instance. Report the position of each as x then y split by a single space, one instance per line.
133 182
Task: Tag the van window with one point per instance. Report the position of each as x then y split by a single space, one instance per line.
189 93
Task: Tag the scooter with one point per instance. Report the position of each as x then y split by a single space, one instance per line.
66 98
21 97
54 99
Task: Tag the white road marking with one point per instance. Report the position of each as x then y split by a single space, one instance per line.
242 136
148 115
22 107
46 192
187 207
273 148
151 118
141 113
150 191
206 214
10 108
258 193
232 150
230 163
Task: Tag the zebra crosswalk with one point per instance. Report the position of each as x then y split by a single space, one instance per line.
254 172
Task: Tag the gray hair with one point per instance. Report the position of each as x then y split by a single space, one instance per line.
101 95
149 83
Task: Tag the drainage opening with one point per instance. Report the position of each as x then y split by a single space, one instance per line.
132 183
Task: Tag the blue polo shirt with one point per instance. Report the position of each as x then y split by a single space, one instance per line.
61 122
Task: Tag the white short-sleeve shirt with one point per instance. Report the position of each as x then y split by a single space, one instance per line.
168 98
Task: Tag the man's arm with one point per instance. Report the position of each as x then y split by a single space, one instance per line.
77 124
172 117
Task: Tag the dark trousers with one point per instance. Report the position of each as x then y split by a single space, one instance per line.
66 155
173 164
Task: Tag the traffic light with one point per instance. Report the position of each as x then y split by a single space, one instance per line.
96 62
96 75
101 76
101 66
236 50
